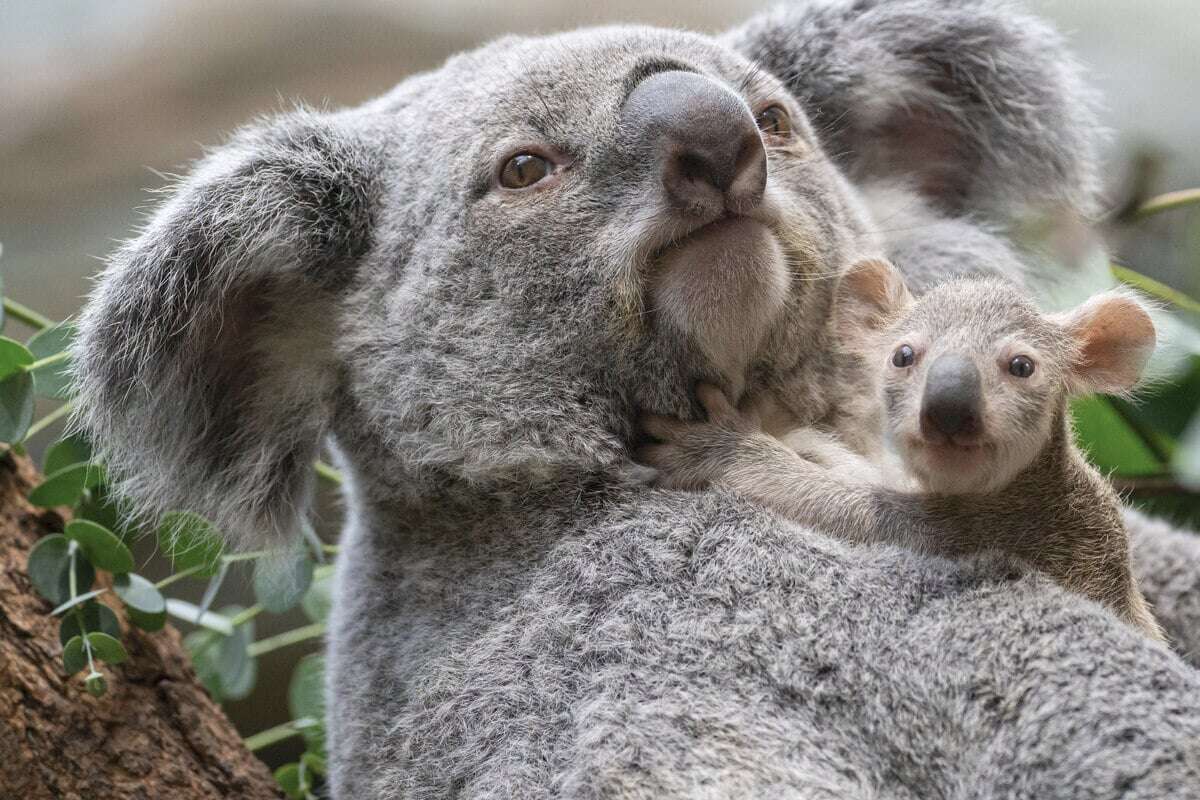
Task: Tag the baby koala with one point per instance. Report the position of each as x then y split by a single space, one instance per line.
956 406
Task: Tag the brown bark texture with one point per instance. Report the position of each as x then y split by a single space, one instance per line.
156 733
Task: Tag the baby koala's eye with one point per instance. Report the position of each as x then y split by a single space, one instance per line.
523 170
1021 366
903 357
774 121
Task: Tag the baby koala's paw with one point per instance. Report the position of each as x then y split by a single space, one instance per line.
691 455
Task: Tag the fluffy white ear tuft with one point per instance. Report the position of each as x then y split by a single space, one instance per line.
1114 338
868 295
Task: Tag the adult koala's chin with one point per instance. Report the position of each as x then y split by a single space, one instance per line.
470 286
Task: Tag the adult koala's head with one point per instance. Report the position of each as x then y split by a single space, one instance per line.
484 273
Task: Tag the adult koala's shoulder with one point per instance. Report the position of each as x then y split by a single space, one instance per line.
468 287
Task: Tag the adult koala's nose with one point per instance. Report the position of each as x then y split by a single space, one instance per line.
702 140
953 400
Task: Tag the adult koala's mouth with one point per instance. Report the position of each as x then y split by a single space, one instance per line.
723 284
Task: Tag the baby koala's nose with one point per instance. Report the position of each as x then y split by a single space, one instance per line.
953 399
706 147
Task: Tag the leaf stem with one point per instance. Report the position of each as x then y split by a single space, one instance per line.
1167 202
270 736
245 615
48 420
27 315
287 638
167 581
47 361
1155 288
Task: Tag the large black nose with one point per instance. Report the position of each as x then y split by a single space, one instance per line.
702 141
953 399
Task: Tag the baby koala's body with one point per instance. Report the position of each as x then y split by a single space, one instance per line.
953 436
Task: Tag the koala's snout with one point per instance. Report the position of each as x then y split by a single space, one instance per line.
707 149
953 400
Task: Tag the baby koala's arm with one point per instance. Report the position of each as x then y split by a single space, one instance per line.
729 449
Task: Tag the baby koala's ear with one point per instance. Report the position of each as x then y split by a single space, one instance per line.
869 294
1114 338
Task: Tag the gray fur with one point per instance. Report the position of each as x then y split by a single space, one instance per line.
515 615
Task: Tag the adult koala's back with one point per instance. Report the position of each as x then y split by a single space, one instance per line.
469 287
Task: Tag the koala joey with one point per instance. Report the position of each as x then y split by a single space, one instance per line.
955 415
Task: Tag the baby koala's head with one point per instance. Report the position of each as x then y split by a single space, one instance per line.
973 377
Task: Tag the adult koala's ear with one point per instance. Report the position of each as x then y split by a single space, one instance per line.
1113 337
869 294
976 104
204 359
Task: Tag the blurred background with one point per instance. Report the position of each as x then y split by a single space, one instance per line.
98 99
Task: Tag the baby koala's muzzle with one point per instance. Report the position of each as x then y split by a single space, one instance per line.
953 401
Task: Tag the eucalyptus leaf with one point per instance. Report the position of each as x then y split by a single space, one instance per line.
101 546
107 648
65 452
288 778
50 569
96 617
74 655
279 584
16 407
14 356
224 663
53 380
306 698
144 604
65 487
1109 441
190 541
319 598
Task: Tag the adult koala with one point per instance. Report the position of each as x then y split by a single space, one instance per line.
471 285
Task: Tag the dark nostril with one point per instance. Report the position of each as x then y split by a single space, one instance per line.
709 152
953 399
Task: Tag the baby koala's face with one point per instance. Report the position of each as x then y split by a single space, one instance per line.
973 378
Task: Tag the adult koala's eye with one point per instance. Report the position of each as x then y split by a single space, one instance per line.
774 121
1021 366
903 357
524 169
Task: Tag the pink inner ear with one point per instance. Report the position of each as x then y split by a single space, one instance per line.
1115 336
871 290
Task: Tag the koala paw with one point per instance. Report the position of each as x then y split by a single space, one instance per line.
692 455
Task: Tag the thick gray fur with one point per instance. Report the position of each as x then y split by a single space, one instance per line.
516 614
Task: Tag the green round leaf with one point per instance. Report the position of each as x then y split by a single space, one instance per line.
107 648
100 545
224 663
50 569
65 487
95 684
288 778
74 656
53 380
319 597
306 698
280 584
16 407
13 357
190 541
144 604
102 507
96 617
65 452
314 763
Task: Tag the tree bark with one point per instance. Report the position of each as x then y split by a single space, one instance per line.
155 734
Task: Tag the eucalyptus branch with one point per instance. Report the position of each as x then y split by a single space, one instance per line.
1167 202
48 420
271 736
287 638
328 473
26 314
